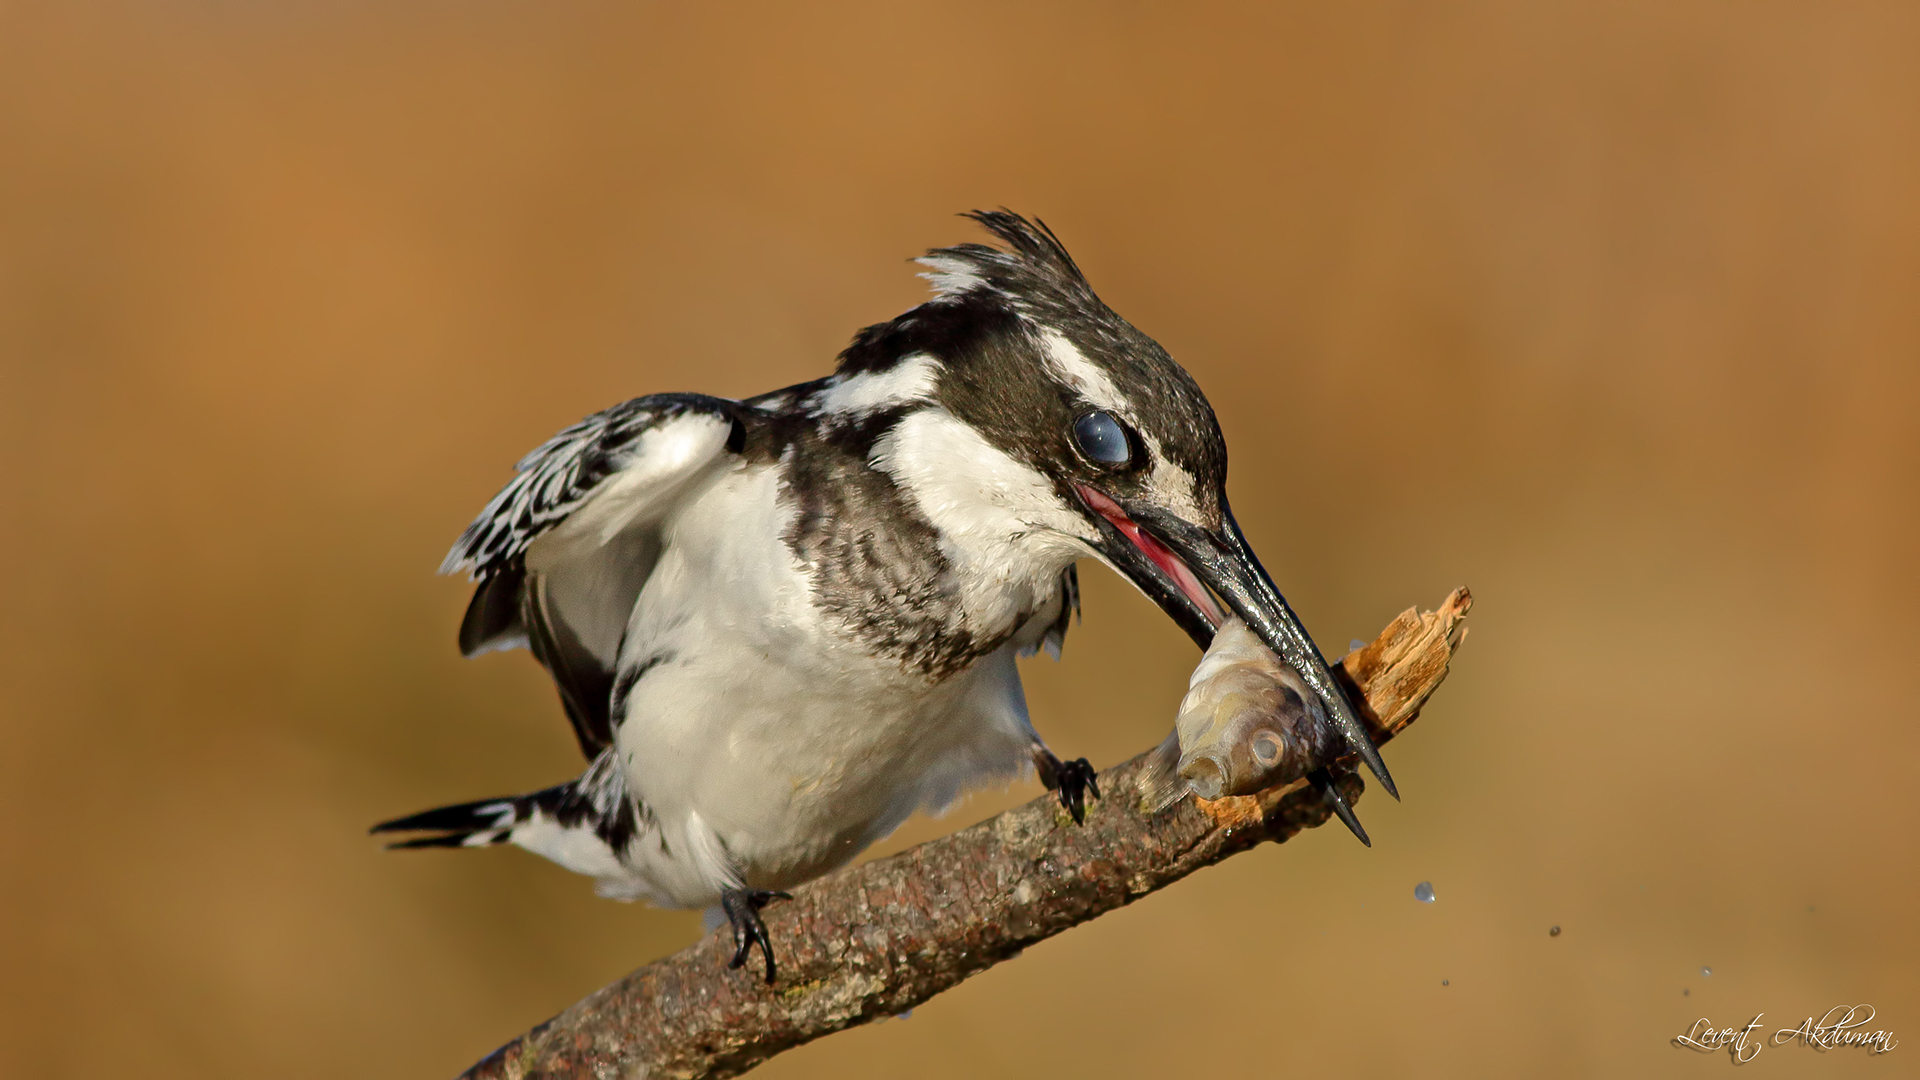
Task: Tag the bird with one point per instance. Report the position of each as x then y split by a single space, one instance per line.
782 624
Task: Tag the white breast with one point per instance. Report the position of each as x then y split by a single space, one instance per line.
769 745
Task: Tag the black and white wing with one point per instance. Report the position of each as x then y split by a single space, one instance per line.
562 552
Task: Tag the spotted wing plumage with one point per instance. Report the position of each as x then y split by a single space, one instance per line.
561 553
553 480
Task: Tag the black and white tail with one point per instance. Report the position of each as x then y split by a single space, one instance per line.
477 824
586 826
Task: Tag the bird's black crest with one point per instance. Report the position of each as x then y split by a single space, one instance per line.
1034 252
980 291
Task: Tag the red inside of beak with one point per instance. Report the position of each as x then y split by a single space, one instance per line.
1162 556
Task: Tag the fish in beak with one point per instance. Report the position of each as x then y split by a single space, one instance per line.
1189 570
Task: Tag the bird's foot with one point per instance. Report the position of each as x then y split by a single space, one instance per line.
742 907
1072 779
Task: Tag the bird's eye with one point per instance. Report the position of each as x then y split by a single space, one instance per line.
1102 439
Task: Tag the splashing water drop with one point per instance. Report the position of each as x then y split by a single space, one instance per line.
1423 892
1706 972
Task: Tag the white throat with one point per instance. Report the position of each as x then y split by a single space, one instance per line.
1007 532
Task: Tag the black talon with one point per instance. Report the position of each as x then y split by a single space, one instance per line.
1330 791
1075 778
1072 779
743 911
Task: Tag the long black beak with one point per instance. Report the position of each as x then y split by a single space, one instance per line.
1224 563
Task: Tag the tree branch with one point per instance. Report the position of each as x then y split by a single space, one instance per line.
874 940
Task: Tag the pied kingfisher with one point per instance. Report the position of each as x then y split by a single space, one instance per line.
781 625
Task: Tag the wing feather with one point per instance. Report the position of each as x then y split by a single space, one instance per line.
561 553
550 483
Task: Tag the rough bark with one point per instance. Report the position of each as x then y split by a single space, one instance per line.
874 940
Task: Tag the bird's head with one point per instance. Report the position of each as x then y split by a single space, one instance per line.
1026 408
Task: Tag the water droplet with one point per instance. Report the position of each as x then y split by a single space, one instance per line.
1686 993
1423 892
1555 932
1356 645
1444 982
1706 972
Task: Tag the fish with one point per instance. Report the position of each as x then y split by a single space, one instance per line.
1248 722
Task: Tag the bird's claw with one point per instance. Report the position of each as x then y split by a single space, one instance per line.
1074 779
742 907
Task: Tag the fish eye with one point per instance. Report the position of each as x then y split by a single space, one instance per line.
1101 438
1267 749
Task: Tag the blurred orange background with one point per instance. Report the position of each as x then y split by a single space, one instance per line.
1606 310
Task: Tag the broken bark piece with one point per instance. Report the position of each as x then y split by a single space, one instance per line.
1390 677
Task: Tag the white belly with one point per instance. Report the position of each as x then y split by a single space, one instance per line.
769 746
